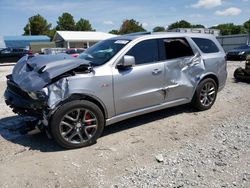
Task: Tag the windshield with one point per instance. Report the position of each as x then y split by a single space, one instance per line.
103 51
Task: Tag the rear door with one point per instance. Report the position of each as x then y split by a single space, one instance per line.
182 68
141 85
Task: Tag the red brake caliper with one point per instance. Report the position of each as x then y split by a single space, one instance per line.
87 117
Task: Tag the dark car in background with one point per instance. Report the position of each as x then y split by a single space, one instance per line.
74 52
239 53
13 54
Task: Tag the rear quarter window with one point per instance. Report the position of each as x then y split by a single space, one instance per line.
206 45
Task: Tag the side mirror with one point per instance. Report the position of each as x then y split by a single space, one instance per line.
126 62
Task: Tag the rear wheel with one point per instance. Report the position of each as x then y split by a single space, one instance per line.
205 94
77 124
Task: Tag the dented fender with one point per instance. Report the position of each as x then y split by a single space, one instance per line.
100 90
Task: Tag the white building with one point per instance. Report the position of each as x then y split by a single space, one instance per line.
79 39
215 32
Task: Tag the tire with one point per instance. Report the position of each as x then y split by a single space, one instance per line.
239 73
77 124
205 94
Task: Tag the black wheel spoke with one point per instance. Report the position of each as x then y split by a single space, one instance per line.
80 136
78 114
70 118
72 136
67 132
87 134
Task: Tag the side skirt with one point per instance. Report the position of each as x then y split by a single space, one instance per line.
146 110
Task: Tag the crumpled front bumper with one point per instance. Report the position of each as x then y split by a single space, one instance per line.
21 103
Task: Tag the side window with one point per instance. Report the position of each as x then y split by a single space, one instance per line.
206 45
175 48
145 52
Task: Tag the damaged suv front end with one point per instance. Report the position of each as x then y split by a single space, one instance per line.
38 84
41 86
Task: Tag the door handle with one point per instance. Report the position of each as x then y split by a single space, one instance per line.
156 71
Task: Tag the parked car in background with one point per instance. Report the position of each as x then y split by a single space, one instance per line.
239 53
74 52
52 51
13 55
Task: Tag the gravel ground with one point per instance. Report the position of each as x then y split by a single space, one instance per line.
221 159
176 147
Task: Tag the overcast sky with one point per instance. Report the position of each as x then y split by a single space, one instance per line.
106 15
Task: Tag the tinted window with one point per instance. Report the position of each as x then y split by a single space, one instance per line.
206 45
71 51
145 51
175 48
80 51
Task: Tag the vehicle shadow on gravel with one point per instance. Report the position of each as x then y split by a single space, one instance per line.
6 64
13 128
147 118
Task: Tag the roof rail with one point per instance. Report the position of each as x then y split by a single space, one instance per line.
138 33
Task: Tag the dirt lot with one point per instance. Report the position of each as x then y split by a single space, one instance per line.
176 147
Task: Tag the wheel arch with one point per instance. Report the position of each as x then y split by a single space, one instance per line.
80 96
209 75
212 76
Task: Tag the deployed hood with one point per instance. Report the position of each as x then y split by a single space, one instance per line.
32 74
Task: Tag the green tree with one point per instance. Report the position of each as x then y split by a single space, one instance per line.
37 25
65 22
51 33
198 26
229 29
114 31
180 24
246 25
237 29
158 29
83 25
130 26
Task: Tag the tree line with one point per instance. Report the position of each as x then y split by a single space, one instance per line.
38 25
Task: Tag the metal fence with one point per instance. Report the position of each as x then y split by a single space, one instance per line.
229 42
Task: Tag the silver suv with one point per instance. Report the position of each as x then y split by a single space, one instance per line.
116 79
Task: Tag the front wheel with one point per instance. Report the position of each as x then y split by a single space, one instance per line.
77 124
205 94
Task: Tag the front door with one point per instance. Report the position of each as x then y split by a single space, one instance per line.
141 85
